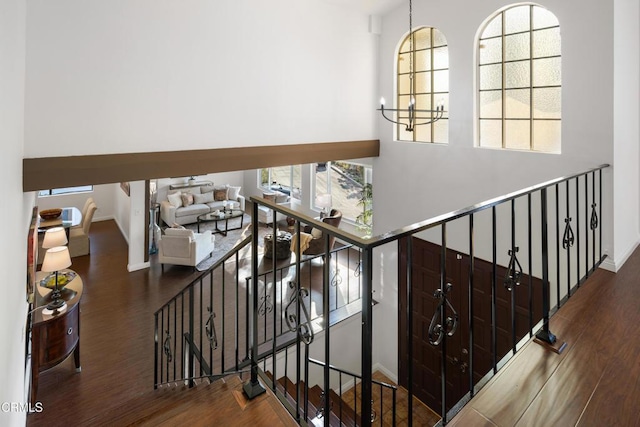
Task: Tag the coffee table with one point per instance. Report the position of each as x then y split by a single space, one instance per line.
225 216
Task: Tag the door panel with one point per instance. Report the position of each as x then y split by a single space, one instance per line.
425 271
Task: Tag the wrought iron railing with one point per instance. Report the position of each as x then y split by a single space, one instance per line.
482 280
196 332
506 243
202 332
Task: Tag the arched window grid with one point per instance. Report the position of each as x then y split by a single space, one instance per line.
427 86
541 38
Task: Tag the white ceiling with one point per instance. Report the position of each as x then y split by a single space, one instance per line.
369 7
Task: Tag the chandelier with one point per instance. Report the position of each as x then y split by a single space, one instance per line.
411 110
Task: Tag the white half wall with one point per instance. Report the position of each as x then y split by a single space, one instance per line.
15 216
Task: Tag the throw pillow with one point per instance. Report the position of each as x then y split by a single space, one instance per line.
206 188
220 194
179 232
187 199
316 233
203 198
269 196
234 192
281 197
175 199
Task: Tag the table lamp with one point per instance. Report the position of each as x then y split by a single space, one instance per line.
55 259
53 237
323 201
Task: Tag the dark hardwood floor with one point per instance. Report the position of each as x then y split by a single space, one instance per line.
595 381
115 386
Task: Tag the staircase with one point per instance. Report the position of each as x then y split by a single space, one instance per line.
341 414
205 404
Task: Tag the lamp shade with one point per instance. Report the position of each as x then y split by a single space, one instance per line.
323 201
53 237
56 259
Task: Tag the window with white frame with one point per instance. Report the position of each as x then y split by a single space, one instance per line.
339 185
519 80
423 69
66 190
286 179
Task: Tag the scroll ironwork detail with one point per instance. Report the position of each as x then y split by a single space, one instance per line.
437 331
302 327
568 238
594 217
167 348
210 329
514 270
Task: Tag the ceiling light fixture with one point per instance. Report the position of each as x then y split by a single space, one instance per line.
411 110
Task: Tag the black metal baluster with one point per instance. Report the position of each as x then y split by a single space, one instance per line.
200 323
162 352
222 310
182 314
443 357
586 221
592 220
253 387
237 313
530 259
175 335
247 340
567 241
155 351
514 249
297 290
559 298
545 334
471 311
211 367
578 230
367 334
494 340
409 329
326 288
191 338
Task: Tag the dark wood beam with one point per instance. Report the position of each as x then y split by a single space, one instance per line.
56 172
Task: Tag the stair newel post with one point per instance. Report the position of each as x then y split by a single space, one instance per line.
367 333
327 347
545 334
253 387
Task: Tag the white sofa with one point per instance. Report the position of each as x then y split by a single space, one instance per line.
173 212
265 214
184 247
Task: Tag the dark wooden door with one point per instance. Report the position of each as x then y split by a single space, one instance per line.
427 358
425 268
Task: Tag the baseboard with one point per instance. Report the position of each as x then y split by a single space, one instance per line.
615 265
135 267
378 367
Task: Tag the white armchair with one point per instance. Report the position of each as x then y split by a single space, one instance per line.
184 247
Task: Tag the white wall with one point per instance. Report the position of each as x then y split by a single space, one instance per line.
16 214
442 178
155 75
626 193
103 195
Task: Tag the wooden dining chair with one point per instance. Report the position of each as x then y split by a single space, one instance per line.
79 236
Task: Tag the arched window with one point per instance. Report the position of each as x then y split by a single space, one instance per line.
519 80
424 63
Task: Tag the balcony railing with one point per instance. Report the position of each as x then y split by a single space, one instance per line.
479 288
463 293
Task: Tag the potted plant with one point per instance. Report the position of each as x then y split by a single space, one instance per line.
364 221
